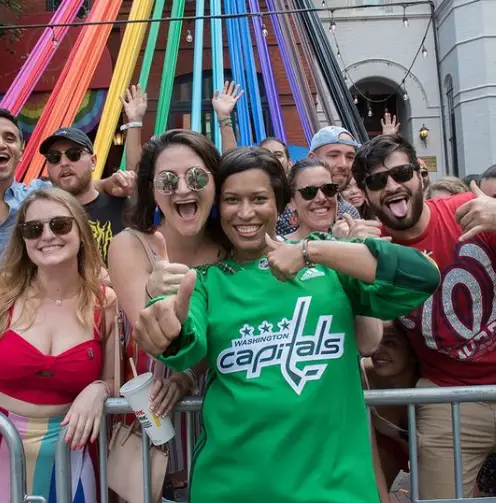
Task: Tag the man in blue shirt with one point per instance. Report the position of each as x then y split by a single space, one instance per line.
13 193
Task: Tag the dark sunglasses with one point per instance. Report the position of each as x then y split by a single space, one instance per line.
400 174
310 192
73 154
33 229
196 178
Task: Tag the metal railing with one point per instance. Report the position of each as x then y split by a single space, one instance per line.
18 485
408 397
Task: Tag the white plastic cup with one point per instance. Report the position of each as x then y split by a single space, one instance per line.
137 393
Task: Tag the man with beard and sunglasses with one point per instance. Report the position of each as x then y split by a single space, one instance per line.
13 193
71 161
454 332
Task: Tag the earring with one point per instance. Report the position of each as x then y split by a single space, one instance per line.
157 216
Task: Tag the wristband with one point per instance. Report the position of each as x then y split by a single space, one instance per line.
225 122
304 251
191 374
130 125
157 299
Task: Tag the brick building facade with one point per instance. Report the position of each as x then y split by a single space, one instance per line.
182 90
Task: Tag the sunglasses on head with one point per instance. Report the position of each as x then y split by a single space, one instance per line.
33 229
167 182
400 174
310 192
73 154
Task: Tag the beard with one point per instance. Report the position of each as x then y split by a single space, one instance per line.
76 187
416 202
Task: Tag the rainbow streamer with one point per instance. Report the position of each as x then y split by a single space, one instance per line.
268 74
290 72
39 58
252 87
196 123
148 56
123 71
236 56
169 71
71 87
217 60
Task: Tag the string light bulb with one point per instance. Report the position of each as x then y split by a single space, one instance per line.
424 51
355 99
332 24
338 53
405 19
265 32
55 42
189 37
369 113
345 76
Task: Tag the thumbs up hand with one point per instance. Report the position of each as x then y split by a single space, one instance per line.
166 276
285 259
477 215
159 324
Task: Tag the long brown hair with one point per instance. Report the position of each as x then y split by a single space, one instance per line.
17 271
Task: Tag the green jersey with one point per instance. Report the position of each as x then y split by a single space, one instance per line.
284 420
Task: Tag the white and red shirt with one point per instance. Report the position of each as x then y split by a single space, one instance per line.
454 332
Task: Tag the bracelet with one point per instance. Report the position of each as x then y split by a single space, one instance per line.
304 251
130 125
225 122
157 299
107 387
192 375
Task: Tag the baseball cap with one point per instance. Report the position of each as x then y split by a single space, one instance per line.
68 133
332 134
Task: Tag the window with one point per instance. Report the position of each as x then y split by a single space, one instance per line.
451 125
180 111
53 5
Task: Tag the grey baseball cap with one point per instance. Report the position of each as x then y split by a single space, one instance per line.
330 135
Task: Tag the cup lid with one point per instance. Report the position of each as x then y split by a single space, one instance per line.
137 383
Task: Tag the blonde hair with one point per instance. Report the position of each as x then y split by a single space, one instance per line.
17 271
450 184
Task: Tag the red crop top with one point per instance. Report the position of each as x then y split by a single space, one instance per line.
34 377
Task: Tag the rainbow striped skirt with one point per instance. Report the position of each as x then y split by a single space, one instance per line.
39 437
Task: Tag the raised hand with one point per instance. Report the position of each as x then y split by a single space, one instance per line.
477 215
135 103
122 183
166 276
159 324
285 259
225 102
389 126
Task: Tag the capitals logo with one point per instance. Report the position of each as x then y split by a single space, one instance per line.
285 347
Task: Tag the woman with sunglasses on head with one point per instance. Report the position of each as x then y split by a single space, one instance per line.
275 321
56 354
171 229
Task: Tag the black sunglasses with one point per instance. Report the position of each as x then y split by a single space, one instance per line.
400 174
33 229
310 192
73 154
196 178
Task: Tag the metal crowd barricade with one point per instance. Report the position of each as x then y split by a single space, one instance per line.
18 485
409 397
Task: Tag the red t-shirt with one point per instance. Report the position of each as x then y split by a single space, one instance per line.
454 332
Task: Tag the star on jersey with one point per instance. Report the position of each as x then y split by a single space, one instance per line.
287 348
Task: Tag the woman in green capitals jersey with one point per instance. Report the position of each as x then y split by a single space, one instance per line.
283 417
